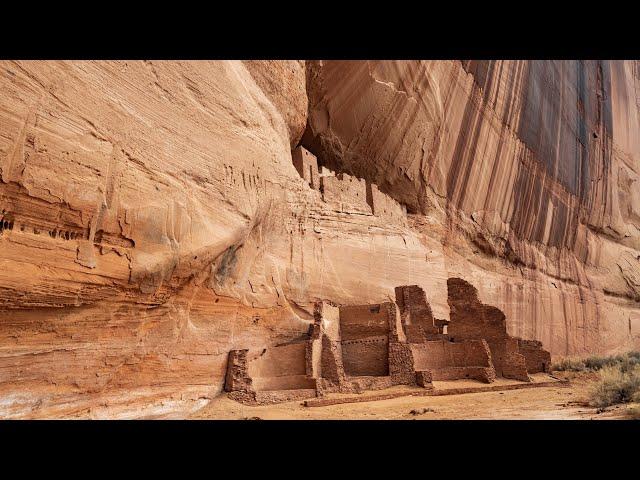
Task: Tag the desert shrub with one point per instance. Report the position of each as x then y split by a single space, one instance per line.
626 362
635 355
629 363
616 386
569 364
595 362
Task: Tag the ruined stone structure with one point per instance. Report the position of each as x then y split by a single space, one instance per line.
384 206
272 375
370 347
536 358
349 349
415 313
307 166
346 193
471 319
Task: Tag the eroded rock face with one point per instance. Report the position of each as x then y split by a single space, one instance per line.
152 218
524 172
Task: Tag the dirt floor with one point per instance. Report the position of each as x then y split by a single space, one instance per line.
561 402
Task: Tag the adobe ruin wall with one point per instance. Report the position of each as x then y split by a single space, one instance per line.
346 193
471 319
446 360
354 348
384 206
307 166
537 359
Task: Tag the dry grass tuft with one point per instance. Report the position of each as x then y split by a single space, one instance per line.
618 384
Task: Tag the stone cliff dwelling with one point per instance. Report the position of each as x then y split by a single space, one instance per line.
353 348
345 192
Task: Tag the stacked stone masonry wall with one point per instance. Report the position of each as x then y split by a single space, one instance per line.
355 348
442 354
401 363
348 194
424 379
307 166
237 378
384 206
415 313
332 367
364 331
366 357
471 319
537 359
482 374
363 321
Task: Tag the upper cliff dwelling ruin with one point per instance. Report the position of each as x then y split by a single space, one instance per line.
346 193
339 226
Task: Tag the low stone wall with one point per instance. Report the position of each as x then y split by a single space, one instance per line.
431 392
286 382
363 383
271 397
482 374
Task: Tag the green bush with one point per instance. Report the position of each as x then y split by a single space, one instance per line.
616 386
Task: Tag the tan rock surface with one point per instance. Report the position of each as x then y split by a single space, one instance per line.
524 172
152 219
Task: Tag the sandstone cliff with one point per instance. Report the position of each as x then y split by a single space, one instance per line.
152 218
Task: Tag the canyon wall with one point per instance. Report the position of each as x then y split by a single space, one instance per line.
525 172
153 220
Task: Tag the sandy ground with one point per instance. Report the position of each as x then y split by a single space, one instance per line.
551 403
